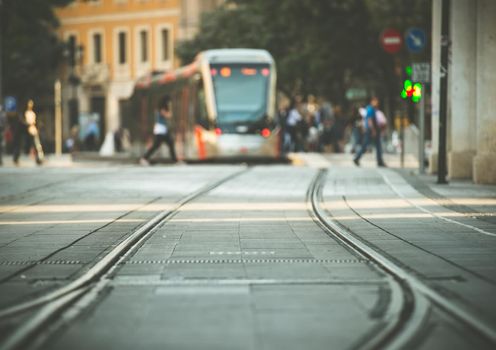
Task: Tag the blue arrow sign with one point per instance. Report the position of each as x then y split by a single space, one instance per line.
415 40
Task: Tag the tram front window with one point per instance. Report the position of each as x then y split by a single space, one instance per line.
240 93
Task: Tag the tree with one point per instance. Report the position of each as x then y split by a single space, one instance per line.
31 51
320 47
310 40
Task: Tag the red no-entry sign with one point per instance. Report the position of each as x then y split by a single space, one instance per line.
391 40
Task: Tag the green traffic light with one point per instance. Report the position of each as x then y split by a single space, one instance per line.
408 70
412 90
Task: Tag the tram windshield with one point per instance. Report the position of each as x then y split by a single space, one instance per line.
240 92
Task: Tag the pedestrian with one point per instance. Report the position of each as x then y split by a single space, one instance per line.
161 131
338 129
357 128
3 124
323 119
372 132
92 133
27 128
293 122
282 115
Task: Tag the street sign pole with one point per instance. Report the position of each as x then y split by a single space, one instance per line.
443 103
421 156
422 74
58 118
402 139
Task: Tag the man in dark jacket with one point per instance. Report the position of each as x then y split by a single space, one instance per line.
161 131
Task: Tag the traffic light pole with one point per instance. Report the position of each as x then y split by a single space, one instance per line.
421 134
443 103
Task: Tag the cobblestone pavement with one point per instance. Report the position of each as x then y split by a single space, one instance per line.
244 266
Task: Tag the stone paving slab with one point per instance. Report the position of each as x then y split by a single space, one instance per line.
444 253
78 214
245 266
216 279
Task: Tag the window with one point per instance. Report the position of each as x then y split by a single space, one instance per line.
165 44
72 44
122 48
240 92
143 35
97 48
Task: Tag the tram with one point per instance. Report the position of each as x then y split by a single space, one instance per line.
223 106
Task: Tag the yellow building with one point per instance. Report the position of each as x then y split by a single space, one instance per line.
119 41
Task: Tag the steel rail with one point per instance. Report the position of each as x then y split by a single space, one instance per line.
418 287
54 302
407 310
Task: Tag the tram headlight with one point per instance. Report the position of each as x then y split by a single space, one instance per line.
225 72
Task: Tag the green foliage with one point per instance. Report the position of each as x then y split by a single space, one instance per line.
31 50
320 47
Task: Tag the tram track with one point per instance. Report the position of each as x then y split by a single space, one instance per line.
416 246
418 299
46 258
92 281
410 304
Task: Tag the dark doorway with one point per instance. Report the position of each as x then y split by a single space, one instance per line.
97 105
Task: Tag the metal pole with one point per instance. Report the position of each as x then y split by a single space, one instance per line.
402 141
58 118
1 51
421 156
443 103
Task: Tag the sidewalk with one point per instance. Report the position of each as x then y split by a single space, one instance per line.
79 159
462 196
51 161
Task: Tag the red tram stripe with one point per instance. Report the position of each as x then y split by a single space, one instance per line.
202 152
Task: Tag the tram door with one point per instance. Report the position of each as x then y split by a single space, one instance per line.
97 105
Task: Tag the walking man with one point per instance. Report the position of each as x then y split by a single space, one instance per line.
371 133
161 132
293 120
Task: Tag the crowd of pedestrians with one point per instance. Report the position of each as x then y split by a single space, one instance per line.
307 126
319 126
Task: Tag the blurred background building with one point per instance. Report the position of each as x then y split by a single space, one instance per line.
113 42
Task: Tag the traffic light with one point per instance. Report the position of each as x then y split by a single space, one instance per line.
410 89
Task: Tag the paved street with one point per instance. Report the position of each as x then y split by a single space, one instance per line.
315 255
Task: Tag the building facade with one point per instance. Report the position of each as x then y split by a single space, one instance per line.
471 127
115 42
